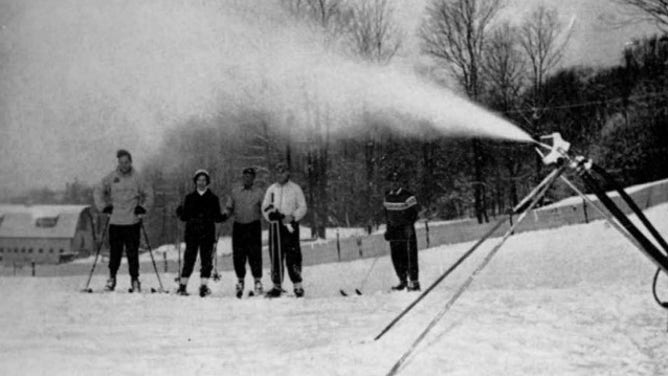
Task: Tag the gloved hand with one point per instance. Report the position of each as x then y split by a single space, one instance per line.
275 216
179 211
386 235
223 217
108 209
139 210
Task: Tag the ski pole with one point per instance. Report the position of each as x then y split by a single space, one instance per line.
482 265
550 178
368 273
216 275
178 250
150 252
97 253
280 252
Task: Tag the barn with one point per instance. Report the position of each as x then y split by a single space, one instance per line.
45 234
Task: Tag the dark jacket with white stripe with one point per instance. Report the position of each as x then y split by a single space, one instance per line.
401 212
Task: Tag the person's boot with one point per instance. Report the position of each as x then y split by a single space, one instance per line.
239 289
413 286
136 285
111 284
275 292
182 290
204 290
400 286
258 288
299 292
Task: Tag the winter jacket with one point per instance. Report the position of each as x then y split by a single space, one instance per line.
401 211
287 198
201 212
124 192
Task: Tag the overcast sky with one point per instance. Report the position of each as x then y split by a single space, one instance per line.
48 138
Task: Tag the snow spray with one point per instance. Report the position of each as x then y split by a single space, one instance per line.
80 79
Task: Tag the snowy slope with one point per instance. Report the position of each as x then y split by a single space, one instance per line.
570 301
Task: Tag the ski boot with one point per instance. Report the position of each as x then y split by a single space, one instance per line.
136 285
299 292
239 289
275 292
111 284
258 288
400 286
182 290
413 286
204 290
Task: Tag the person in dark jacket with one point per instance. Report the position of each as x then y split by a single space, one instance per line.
401 212
200 211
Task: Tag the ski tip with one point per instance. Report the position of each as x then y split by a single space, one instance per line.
358 292
87 290
343 293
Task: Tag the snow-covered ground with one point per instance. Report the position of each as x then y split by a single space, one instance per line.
569 301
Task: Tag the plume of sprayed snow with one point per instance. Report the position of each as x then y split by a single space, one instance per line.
80 79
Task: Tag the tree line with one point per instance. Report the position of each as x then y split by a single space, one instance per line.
617 115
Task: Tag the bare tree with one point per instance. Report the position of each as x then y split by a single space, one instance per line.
504 66
655 11
543 38
454 34
373 34
327 15
504 71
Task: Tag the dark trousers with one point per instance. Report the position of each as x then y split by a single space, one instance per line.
286 251
124 236
205 246
405 258
247 245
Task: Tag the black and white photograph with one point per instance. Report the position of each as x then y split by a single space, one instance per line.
334 187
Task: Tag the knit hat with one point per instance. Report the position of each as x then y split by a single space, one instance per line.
202 172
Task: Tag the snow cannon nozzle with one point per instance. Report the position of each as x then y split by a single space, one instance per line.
557 151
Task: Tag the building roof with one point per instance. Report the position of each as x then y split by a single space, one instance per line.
39 221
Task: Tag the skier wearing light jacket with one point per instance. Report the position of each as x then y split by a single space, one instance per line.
125 197
401 211
284 205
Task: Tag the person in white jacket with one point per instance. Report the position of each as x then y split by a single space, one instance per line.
125 197
284 206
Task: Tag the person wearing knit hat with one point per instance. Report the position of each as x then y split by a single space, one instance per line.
201 211
401 211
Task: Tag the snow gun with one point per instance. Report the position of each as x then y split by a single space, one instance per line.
556 155
595 177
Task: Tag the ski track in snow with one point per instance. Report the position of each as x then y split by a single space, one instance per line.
569 301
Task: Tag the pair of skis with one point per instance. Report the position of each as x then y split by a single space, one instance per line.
359 290
88 289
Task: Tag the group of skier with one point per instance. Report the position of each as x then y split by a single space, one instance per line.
125 198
